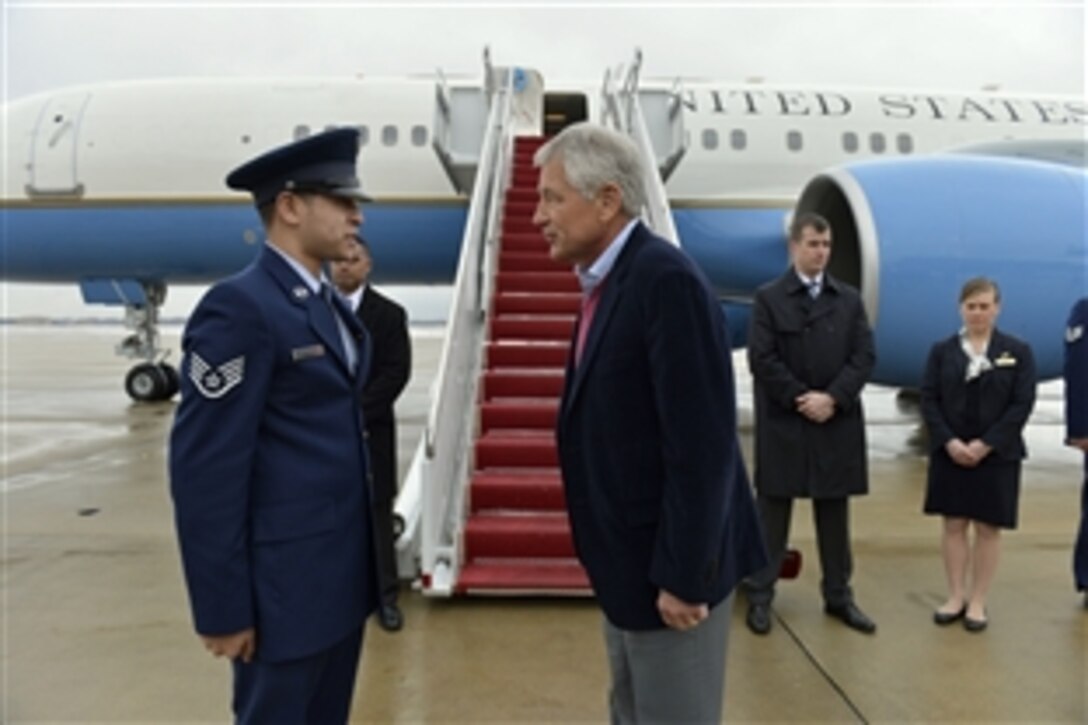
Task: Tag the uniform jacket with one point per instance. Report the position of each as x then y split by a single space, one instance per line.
390 368
1007 394
1076 372
268 466
797 344
655 484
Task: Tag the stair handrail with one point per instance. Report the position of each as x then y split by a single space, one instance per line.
447 436
630 120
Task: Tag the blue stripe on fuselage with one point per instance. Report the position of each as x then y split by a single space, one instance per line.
736 248
199 243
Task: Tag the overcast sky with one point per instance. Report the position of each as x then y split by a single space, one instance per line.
1038 46
1035 46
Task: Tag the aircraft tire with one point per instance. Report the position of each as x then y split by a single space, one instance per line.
172 381
146 382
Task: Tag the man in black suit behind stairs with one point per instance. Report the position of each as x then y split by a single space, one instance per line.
390 367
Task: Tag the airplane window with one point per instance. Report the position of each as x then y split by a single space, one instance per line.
738 139
364 135
904 143
419 135
301 131
710 139
876 143
793 141
850 141
389 135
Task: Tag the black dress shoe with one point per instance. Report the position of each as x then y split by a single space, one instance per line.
851 616
389 618
759 618
943 618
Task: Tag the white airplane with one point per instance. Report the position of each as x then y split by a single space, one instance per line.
118 188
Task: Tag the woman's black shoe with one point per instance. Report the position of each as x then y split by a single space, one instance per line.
974 625
943 618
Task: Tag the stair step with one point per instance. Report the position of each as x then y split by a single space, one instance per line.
541 303
519 535
524 241
522 193
505 449
514 209
528 355
525 492
528 327
530 261
564 577
522 384
537 282
530 142
519 225
518 415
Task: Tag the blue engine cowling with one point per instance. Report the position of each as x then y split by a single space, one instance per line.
909 232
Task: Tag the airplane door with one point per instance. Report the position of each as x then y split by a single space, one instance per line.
53 167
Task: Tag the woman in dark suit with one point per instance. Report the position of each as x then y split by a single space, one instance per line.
977 394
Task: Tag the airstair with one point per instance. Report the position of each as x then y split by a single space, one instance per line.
483 504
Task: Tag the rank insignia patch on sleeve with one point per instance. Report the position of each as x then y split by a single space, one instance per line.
216 382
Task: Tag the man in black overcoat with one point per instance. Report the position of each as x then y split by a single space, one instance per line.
390 368
810 351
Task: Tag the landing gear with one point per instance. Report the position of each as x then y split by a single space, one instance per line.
153 379
148 382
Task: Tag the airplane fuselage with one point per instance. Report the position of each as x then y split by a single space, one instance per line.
124 181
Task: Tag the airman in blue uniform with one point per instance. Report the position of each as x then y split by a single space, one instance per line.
1076 424
268 467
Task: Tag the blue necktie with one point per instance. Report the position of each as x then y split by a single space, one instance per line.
813 289
346 341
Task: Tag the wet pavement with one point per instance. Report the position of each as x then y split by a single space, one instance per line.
96 626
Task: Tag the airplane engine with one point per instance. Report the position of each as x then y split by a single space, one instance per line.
909 232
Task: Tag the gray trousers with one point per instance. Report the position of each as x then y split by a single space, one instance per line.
832 518
668 676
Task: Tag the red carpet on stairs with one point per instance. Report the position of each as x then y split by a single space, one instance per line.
517 537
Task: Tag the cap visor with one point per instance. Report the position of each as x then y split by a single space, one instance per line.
349 193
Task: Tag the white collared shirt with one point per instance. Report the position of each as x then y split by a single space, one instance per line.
590 278
808 282
354 299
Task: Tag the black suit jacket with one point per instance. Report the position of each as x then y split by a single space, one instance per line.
390 368
655 485
1007 394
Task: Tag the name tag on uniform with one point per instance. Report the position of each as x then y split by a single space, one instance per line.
1005 360
305 353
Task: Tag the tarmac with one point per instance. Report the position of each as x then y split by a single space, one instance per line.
96 627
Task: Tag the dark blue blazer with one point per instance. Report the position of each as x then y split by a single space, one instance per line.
655 485
1006 395
268 465
1076 372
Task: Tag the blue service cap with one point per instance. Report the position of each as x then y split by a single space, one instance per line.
320 164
